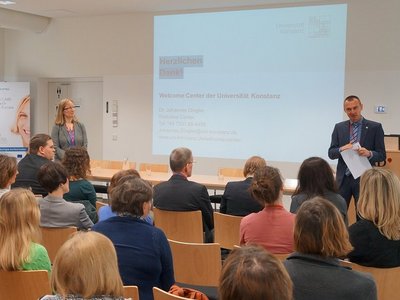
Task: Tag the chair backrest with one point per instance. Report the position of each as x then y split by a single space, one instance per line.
100 204
159 294
110 164
27 285
131 291
196 263
184 226
226 230
162 168
386 279
54 237
231 172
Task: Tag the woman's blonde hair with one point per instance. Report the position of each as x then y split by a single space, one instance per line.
319 229
60 120
86 265
26 100
379 201
19 227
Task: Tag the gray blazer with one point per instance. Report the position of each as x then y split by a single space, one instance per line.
56 212
61 139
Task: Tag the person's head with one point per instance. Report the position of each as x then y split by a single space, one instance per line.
132 196
181 161
267 185
379 201
86 265
22 124
19 227
65 111
41 144
252 164
8 170
52 176
352 107
315 177
77 162
251 272
121 174
319 229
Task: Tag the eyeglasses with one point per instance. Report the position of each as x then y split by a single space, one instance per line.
69 108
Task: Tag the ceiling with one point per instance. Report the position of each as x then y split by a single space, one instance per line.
79 8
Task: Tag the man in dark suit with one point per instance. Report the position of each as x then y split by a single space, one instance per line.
180 194
357 129
41 151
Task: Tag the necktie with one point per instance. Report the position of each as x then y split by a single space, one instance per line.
353 139
354 133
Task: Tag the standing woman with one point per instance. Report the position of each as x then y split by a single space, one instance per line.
67 131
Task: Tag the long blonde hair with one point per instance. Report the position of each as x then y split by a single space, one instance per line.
60 119
86 265
379 201
19 227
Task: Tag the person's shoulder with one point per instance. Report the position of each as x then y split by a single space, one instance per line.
371 123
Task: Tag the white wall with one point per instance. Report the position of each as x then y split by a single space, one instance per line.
119 49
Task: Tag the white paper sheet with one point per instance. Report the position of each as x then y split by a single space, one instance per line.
357 164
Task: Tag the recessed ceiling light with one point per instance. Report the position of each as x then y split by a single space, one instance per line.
7 2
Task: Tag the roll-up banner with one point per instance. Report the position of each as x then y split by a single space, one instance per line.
15 118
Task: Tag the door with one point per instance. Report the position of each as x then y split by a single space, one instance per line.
88 97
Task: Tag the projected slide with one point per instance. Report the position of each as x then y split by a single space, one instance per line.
255 82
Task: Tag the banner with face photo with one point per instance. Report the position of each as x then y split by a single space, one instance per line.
15 118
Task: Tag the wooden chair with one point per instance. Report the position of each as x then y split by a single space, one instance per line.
281 256
100 204
386 279
159 294
131 291
184 226
231 172
27 285
226 230
196 263
54 238
162 168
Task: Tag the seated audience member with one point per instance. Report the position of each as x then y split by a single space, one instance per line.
8 172
77 162
320 237
237 199
180 194
41 151
20 232
376 236
144 255
272 227
315 178
86 267
251 273
55 211
105 211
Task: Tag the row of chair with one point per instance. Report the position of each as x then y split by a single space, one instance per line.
31 285
188 227
119 164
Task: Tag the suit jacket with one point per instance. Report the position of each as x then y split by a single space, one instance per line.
61 139
372 138
315 277
237 199
28 169
180 194
56 212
